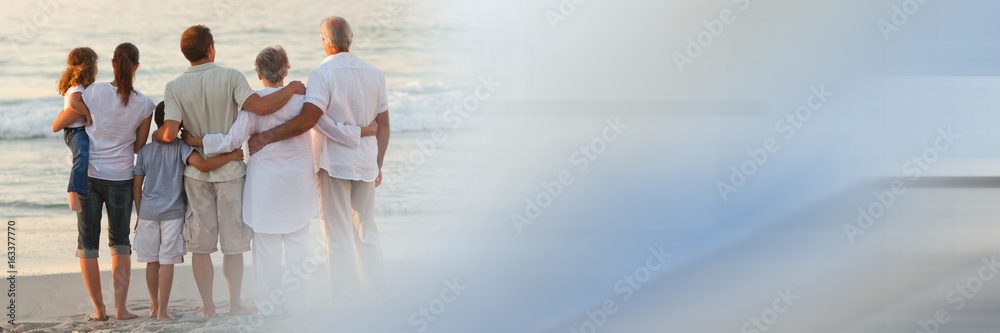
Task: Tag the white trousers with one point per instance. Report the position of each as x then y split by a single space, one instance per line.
282 290
354 252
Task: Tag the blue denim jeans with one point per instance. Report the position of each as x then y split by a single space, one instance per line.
117 196
79 143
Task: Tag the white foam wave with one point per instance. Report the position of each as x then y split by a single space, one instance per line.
413 107
29 119
420 107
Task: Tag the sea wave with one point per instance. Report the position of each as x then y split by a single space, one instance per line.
28 119
32 205
414 107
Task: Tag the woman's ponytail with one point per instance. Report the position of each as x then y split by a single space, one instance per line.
125 59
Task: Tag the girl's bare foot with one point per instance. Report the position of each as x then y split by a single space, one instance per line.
152 313
125 315
205 313
74 202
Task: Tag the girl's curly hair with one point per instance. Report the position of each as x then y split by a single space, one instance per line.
81 69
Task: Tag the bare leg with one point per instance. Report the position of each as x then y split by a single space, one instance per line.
74 202
152 279
92 279
166 281
232 268
121 274
204 273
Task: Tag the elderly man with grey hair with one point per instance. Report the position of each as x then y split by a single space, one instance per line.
347 90
279 197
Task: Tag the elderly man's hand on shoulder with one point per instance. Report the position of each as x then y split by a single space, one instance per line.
297 87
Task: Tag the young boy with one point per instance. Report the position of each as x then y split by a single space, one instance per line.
161 205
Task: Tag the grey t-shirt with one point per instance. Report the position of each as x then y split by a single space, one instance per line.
163 188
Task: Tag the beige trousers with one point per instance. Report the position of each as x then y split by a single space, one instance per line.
354 252
215 217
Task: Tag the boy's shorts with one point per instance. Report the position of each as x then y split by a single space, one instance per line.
159 241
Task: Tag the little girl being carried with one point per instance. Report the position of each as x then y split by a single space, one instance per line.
81 71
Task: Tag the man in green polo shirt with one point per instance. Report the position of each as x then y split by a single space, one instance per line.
207 98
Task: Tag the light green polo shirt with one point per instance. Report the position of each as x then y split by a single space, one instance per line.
205 99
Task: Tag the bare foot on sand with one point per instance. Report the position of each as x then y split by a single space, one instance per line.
242 309
99 315
125 315
74 202
164 316
205 313
152 313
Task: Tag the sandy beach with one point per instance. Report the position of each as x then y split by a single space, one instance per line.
555 166
59 303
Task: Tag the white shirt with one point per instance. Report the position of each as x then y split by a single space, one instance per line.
67 100
349 91
112 135
279 195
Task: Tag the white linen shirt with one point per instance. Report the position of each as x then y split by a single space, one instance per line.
349 91
279 195
112 134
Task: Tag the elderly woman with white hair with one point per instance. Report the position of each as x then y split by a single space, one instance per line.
280 194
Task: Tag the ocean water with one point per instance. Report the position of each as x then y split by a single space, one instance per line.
423 47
